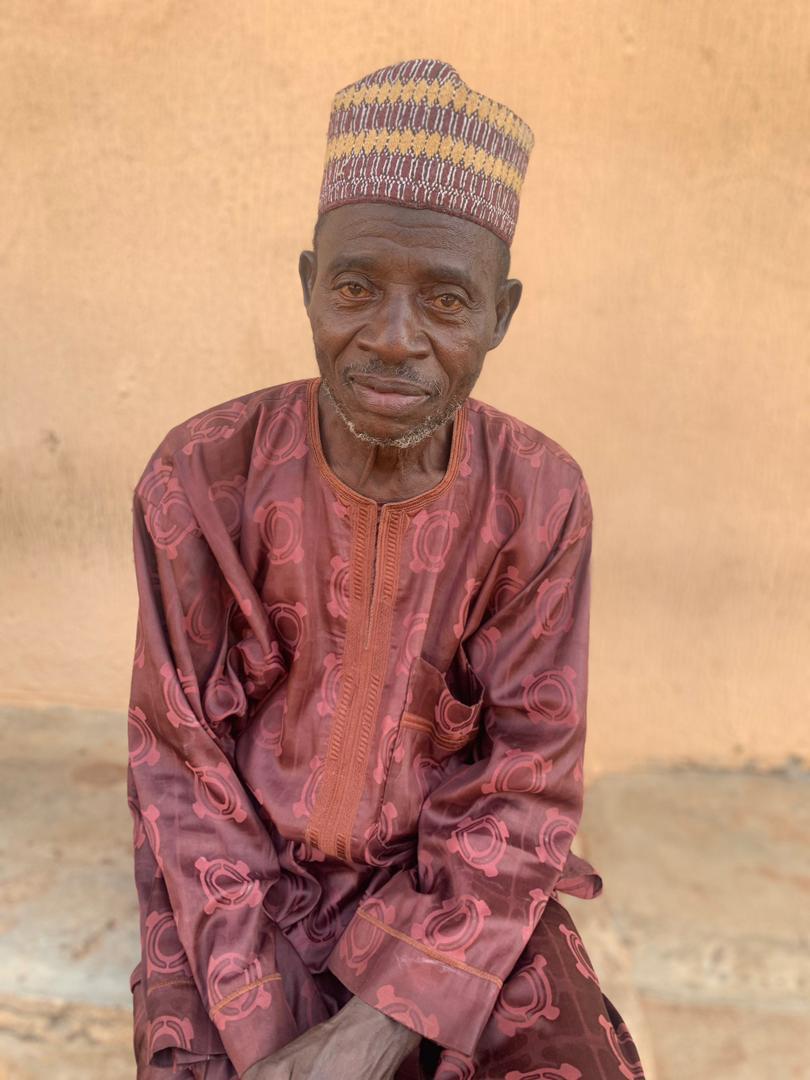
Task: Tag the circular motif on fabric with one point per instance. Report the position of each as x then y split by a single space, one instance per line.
282 530
525 998
549 696
227 884
362 938
214 425
432 538
280 436
556 834
231 972
228 496
287 621
481 843
553 607
171 1030
164 953
216 792
503 517
455 926
518 771
171 520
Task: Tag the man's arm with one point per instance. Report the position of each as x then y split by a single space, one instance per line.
203 857
494 836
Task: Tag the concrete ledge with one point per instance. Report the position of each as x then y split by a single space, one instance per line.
702 937
68 910
52 1040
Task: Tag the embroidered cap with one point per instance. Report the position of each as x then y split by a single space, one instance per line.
415 134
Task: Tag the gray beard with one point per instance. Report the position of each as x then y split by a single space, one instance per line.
408 438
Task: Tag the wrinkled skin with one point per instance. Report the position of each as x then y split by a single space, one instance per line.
411 299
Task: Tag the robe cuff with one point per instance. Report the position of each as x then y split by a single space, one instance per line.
251 1022
442 999
171 1027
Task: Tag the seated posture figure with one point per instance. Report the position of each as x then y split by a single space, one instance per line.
358 698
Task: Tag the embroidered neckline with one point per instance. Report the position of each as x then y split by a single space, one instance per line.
349 493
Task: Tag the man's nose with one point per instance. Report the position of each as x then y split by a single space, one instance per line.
394 332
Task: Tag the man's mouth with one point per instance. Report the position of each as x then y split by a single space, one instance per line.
389 396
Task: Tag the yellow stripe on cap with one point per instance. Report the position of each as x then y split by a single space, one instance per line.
448 94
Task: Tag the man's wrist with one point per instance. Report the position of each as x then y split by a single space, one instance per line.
396 1033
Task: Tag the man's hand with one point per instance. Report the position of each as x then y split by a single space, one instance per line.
357 1043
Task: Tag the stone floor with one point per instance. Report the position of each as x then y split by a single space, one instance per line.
702 936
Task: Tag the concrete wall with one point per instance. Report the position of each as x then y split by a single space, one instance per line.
160 170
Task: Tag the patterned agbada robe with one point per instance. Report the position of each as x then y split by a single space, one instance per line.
356 750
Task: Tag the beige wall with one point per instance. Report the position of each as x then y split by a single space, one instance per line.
159 169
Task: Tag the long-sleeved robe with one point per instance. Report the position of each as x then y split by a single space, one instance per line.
356 749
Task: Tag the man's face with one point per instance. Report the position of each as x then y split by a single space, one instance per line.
404 305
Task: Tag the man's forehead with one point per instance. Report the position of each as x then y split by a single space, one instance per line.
371 234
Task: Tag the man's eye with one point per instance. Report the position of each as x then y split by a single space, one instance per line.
353 289
448 302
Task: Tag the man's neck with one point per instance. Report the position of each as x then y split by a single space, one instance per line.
382 473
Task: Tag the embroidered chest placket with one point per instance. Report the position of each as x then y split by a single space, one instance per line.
374 578
377 533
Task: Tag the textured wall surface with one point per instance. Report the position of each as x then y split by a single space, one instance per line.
160 170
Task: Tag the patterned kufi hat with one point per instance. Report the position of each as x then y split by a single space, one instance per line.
415 134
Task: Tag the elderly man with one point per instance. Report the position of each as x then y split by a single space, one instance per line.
359 686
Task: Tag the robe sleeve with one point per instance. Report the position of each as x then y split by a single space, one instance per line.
433 947
207 985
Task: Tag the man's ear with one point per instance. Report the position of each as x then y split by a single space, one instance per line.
506 306
306 271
